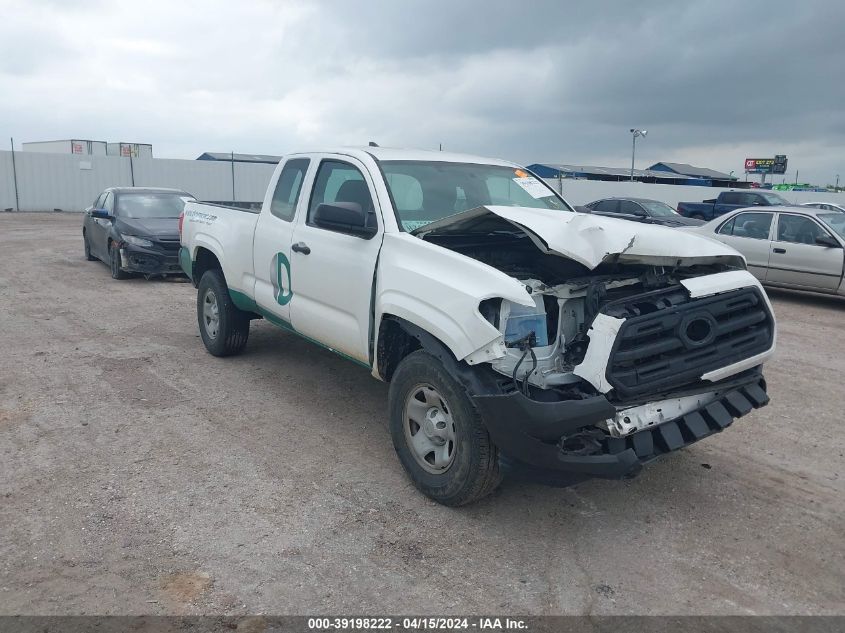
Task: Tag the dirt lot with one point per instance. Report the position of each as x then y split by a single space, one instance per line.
138 474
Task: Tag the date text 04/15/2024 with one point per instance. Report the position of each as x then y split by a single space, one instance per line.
416 623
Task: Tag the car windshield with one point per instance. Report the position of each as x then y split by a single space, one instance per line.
426 191
659 209
775 200
835 221
151 205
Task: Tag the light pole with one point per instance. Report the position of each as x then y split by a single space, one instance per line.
837 182
634 134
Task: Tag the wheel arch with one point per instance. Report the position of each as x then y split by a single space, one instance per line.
398 338
204 260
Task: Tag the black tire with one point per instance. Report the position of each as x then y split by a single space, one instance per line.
87 247
232 327
474 469
698 216
114 263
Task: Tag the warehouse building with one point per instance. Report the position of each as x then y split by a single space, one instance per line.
240 158
659 173
588 172
717 178
82 147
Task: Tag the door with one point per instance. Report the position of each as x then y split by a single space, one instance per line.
333 271
797 260
273 235
750 233
99 239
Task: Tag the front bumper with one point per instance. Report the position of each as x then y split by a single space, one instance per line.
149 261
536 433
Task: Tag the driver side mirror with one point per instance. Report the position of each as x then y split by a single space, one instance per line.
344 217
101 214
827 240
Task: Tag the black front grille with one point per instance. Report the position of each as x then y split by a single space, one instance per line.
668 340
169 245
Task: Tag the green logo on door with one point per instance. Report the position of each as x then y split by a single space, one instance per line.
283 293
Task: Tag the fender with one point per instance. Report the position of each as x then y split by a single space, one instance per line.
209 243
439 291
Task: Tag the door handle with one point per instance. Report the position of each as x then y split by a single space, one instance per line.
779 250
301 247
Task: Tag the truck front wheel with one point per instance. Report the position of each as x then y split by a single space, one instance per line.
223 327
439 435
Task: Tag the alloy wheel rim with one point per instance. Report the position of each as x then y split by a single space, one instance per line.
210 314
430 429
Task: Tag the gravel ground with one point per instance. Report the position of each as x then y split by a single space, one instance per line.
140 475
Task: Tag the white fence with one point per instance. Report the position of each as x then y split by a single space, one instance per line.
71 183
580 192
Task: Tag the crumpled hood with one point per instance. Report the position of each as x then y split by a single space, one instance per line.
592 239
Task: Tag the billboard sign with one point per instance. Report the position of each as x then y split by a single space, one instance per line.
776 165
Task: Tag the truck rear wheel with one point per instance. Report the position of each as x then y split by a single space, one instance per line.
438 434
223 327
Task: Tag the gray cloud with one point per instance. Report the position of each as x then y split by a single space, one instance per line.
537 81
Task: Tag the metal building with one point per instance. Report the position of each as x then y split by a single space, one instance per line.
230 157
70 146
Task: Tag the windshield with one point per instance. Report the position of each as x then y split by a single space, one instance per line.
151 205
659 209
775 200
425 191
835 221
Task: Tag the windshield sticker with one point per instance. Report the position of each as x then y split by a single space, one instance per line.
413 225
533 187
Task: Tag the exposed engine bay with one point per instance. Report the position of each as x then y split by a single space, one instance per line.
546 345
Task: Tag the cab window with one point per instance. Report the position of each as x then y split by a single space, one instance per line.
339 182
108 203
798 229
607 206
752 225
286 194
630 208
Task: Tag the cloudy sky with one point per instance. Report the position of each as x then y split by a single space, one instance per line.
551 81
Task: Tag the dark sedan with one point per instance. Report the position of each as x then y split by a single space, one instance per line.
641 210
135 230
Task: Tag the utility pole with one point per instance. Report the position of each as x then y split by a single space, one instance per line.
15 175
837 182
634 134
233 175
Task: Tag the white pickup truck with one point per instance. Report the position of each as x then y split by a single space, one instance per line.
512 330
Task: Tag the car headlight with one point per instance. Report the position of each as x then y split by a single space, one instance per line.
136 241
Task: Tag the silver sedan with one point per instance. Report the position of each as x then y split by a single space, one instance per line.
787 247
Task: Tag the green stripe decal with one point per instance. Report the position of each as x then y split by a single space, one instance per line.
185 262
243 302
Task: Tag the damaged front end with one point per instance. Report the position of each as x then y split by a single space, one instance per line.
638 342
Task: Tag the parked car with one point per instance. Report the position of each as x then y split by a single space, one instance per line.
135 230
728 201
788 247
825 206
641 210
510 328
